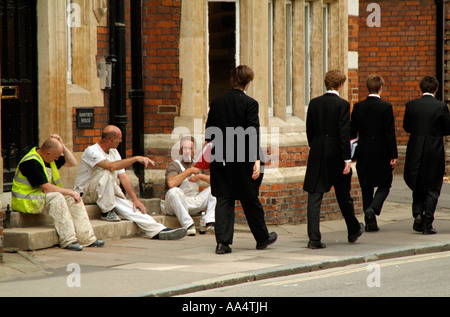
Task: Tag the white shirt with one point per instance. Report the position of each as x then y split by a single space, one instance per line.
93 155
375 95
333 92
428 94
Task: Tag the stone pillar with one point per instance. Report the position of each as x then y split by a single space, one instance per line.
254 43
193 63
54 116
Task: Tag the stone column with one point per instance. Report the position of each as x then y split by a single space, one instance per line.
254 43
193 64
54 116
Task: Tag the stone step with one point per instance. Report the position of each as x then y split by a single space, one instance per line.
34 232
21 220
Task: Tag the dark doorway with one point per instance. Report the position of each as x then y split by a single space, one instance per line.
18 45
222 46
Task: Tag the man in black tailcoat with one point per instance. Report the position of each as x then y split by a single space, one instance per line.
236 171
373 123
329 161
427 120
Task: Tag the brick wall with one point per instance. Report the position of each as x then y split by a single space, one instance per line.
287 203
447 77
402 50
2 216
162 85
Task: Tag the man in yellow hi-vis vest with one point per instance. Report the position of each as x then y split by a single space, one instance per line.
37 188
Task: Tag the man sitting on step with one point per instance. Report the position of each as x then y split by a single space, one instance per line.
183 198
37 189
101 165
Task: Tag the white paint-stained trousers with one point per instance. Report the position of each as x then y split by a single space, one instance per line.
70 219
182 206
104 191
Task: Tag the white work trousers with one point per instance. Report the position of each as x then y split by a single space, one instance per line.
70 219
104 191
182 206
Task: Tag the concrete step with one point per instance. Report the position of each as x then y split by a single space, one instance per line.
34 232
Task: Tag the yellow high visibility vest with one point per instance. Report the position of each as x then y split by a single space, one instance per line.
28 199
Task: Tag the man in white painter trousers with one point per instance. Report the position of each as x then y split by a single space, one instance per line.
183 198
100 168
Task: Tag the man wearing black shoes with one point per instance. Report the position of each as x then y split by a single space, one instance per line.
376 154
329 161
427 120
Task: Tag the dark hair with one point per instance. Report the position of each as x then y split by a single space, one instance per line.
334 79
429 84
374 83
241 76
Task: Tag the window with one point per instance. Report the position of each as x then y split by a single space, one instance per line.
270 49
289 48
307 54
69 19
325 38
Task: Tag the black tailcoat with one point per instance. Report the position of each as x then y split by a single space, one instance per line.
328 132
427 120
233 127
373 122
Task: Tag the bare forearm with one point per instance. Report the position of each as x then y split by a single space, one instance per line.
69 157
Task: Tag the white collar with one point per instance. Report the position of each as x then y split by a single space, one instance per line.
427 94
375 95
333 92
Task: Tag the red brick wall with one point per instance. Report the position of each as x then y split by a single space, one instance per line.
2 216
161 33
287 203
162 85
402 50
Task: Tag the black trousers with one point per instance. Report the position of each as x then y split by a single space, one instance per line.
225 216
345 201
376 201
424 204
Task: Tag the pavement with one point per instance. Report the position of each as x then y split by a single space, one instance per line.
140 267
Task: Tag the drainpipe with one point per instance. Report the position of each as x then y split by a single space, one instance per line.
136 93
440 38
118 110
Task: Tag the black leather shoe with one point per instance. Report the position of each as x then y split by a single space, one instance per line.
371 220
272 238
223 249
97 244
316 245
417 225
74 246
429 231
352 238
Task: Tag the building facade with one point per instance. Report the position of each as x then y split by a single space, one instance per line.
153 66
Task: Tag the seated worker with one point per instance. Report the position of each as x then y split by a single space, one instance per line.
37 188
183 198
101 165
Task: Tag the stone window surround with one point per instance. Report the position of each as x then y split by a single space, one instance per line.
254 43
